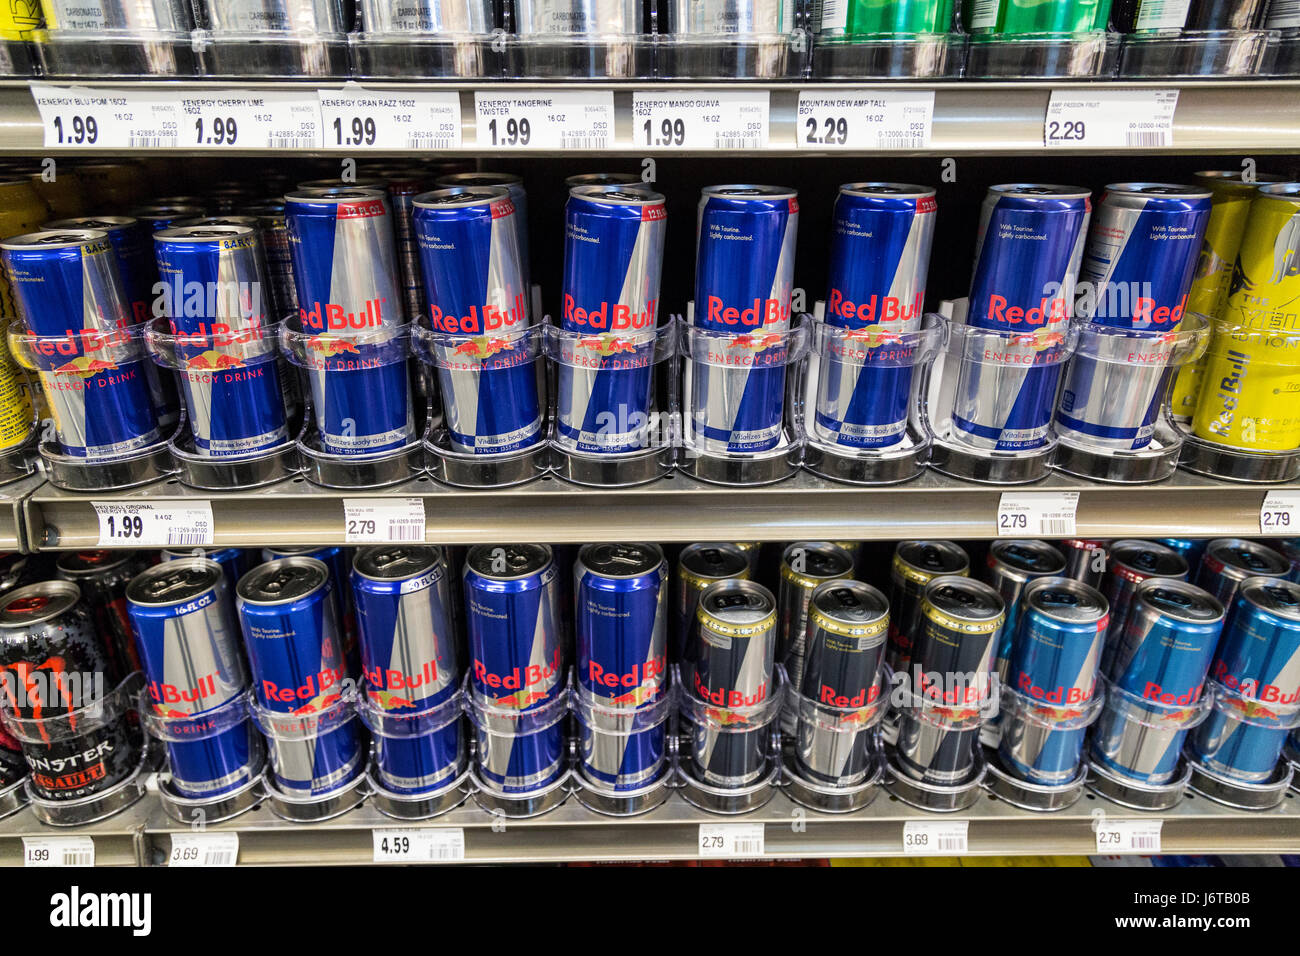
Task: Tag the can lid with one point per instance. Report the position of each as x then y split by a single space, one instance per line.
265 208
200 234
1169 190
365 182
921 561
822 560
1037 558
174 582
88 563
458 196
479 179
736 602
886 189
1041 189
1280 190
54 239
848 607
1147 559
105 223
166 212
505 562
1066 600
336 194
749 191
39 602
250 221
1243 558
283 580
720 560
602 179
1232 177
391 562
620 560
965 600
1179 600
618 195
296 549
1279 598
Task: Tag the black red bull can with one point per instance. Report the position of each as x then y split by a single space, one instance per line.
1012 565
698 566
804 566
916 564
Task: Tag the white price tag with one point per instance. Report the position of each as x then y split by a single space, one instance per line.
155 523
935 837
1129 836
865 119
1032 514
730 840
78 116
437 845
701 119
1106 119
545 119
204 849
357 118
58 851
249 120
383 520
1280 513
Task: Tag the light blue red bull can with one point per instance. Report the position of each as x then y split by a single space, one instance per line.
613 260
1129 562
880 254
744 276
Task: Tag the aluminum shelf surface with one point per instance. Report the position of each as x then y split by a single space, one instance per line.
12 497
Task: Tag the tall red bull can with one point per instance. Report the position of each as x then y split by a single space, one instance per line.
915 564
1129 563
698 566
518 198
1229 561
805 565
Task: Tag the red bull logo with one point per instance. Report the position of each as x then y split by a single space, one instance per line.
84 366
204 688
82 343
762 312
386 682
721 697
1145 312
878 308
1061 695
1153 691
331 317
873 336
317 691
218 335
524 681
868 695
328 345
609 316
488 318
606 344
484 346
213 361
1048 310
647 672
1251 687
755 342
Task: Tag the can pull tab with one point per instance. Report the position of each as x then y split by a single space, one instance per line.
1171 598
958 596
727 601
1054 598
846 598
1284 596
1250 560
930 558
1146 560
177 580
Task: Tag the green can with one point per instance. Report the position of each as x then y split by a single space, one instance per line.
1014 17
856 18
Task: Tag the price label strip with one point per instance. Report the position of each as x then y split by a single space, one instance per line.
436 845
249 120
1037 513
155 523
730 840
542 119
936 837
383 520
204 849
865 119
78 116
701 119
58 851
357 118
1280 513
1107 119
1129 836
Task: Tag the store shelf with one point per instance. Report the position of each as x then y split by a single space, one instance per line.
12 526
979 118
119 840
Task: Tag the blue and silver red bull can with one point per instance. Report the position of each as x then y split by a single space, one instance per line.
1129 562
880 254
409 658
349 305
68 288
744 276
231 378
1138 265
613 260
1192 550
235 562
1026 264
518 198
339 561
1053 670
1289 548
1011 566
166 215
188 637
1229 561
1257 668
474 282
295 652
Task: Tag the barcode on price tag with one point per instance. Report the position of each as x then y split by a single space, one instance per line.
730 840
865 119
1129 836
545 119
58 851
383 520
922 837
437 845
155 523
1105 119
357 118
1280 513
204 849
78 116
249 120
701 119
1037 513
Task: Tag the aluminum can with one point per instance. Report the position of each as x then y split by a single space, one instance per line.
1011 565
698 566
1229 561
915 564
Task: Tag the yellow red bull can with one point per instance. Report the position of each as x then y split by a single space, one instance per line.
16 415
1251 393
64 193
18 18
21 210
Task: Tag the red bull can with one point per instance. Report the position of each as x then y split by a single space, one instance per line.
916 564
805 565
1229 561
1010 566
1128 564
1085 559
518 198
698 566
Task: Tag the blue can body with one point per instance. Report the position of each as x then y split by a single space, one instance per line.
523 762
518 198
339 561
1167 643
234 561
1190 548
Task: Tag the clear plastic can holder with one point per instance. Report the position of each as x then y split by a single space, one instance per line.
13 797
241 39
456 455
1248 388
287 729
431 39
106 39
449 792
102 713
1193 53
61 365
750 734
1091 54
193 355
321 353
1232 710
574 40
975 384
1283 56
637 432
883 56
20 460
716 368
694 48
606 728
16 60
938 797
1135 731
496 728
826 740
1122 375
1027 722
838 362
233 796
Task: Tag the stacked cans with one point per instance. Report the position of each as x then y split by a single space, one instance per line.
804 566
1011 566
915 565
698 566
1227 562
